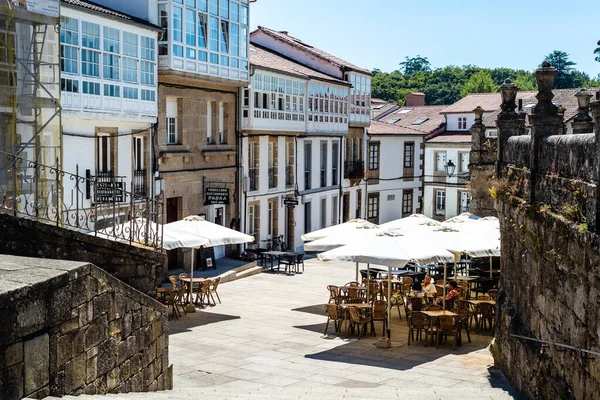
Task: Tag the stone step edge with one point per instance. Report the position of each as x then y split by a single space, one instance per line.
239 272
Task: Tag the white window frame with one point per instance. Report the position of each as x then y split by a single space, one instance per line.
99 165
464 201
440 202
440 157
464 159
171 120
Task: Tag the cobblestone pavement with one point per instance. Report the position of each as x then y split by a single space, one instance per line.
266 341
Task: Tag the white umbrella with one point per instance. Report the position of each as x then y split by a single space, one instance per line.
206 234
393 249
340 229
410 221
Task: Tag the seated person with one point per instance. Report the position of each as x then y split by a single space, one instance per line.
429 288
416 287
452 295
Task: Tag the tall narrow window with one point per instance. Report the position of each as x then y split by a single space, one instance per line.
323 213
171 122
289 167
214 7
409 154
273 162
90 63
374 156
373 208
103 158
440 202
190 34
69 42
307 216
323 171
177 24
253 164
407 202
307 165
214 34
224 37
465 202
202 30
111 66
224 8
222 123
209 122
335 146
163 16
235 40
334 210
111 40
440 164
464 162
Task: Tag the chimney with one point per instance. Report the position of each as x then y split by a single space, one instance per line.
415 100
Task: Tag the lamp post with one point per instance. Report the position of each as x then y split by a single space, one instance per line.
450 168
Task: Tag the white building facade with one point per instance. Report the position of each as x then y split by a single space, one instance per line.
301 115
109 98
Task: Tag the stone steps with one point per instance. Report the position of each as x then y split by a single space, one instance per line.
239 272
250 272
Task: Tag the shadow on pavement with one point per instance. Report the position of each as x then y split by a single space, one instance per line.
199 318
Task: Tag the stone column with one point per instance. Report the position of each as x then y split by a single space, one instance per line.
583 123
509 123
593 220
545 121
482 162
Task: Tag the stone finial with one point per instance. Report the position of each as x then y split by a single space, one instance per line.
583 100
583 123
545 75
478 114
509 94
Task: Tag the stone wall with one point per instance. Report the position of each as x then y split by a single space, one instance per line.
139 267
546 188
71 328
482 167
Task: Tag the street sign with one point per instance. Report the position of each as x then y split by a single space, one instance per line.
291 202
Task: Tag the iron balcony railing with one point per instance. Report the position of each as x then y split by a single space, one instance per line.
139 182
354 169
89 204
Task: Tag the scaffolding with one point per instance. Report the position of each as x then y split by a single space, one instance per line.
30 111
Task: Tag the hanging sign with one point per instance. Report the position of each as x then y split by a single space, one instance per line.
217 195
45 7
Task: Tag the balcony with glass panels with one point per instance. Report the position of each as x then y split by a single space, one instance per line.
207 37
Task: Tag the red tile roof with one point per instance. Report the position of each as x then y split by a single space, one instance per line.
299 44
378 112
382 128
451 137
89 5
408 115
268 59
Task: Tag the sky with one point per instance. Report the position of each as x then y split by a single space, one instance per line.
487 33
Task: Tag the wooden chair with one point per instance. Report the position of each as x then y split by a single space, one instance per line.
465 287
447 326
214 284
352 283
173 280
374 290
419 322
299 261
333 314
352 293
483 297
379 314
185 285
432 307
357 320
487 316
493 293
334 294
175 301
464 315
289 262
407 280
203 294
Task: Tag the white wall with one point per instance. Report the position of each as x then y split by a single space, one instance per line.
452 121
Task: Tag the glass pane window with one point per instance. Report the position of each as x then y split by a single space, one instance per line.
440 202
112 90
91 88
68 59
177 50
69 30
214 58
90 35
130 44
225 61
69 85
129 70
163 17
224 8
235 40
147 73
244 15
214 33
190 54
440 165
177 24
409 150
214 7
130 93
190 27
202 5
111 40
90 63
224 33
235 12
148 95
111 66
202 30
202 56
148 51
190 3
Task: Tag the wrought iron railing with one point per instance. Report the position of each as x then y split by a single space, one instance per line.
139 182
354 169
29 189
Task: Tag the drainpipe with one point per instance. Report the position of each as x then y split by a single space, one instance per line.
366 200
340 147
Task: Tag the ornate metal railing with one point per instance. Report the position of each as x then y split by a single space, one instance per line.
139 182
93 205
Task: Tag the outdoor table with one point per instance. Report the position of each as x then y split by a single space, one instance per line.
161 292
436 315
477 302
362 307
279 255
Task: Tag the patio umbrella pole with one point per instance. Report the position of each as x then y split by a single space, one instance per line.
389 301
490 266
444 283
356 272
369 275
190 307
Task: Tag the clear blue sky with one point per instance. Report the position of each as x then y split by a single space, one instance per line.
487 33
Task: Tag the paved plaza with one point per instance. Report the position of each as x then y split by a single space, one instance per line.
266 339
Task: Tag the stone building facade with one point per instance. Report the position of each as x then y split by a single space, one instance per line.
70 328
547 201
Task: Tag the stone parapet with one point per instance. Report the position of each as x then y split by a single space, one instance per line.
72 328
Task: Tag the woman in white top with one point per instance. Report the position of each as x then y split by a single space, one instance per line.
428 287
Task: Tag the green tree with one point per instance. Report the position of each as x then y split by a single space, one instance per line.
597 53
525 81
560 60
479 82
415 64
